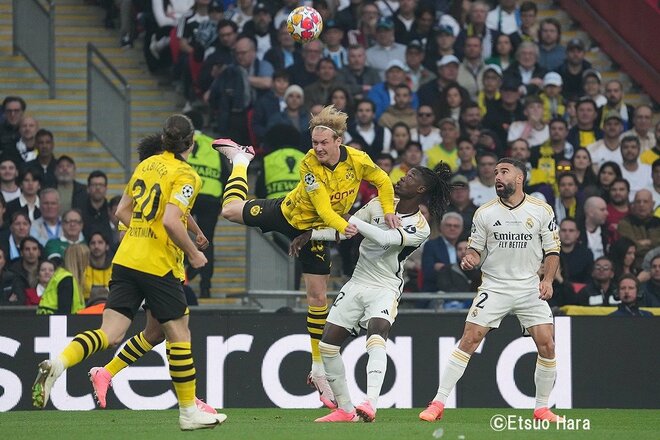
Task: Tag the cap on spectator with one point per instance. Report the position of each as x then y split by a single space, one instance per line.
575 43
396 63
385 23
552 79
331 24
416 45
294 88
613 114
260 7
451 121
494 68
459 180
447 59
511 84
594 73
443 29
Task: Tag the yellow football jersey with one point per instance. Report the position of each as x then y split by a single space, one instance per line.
324 194
157 181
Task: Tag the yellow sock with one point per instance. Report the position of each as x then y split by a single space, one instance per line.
236 188
182 371
135 348
316 317
83 346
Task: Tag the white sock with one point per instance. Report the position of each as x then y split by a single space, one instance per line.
376 368
544 379
336 375
317 369
452 373
187 410
240 158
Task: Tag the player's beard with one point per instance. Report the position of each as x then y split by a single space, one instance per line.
507 191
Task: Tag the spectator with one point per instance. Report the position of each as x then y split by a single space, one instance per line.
441 251
592 229
607 174
642 122
417 73
615 102
63 294
282 13
13 109
572 69
526 69
376 139
622 253
8 176
477 26
45 161
608 149
591 85
467 159
559 149
534 130
553 103
529 27
567 204
490 90
452 99
29 180
628 291
503 53
655 174
97 272
582 167
651 155
471 70
357 76
447 68
342 100
49 225
461 203
386 49
157 38
482 189
412 157
261 29
551 53
441 45
305 72
636 173
269 103
618 207
404 20
318 92
640 225
114 221
45 272
470 121
447 151
501 113
425 133
72 226
294 115
26 144
651 289
95 207
586 132
220 55
10 239
26 268
577 260
332 36
505 17
601 289
284 54
236 90
382 94
7 295
73 194
401 111
365 32
400 138
242 13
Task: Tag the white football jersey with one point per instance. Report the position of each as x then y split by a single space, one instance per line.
512 243
382 265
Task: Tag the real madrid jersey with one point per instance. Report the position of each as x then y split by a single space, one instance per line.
157 181
325 193
512 243
384 252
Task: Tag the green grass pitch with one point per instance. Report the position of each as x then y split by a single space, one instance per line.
275 424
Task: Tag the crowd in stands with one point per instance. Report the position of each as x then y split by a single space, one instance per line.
423 81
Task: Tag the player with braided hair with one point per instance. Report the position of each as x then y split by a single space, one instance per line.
370 298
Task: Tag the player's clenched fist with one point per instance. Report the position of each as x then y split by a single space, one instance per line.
470 261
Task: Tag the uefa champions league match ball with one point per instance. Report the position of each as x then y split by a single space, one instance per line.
304 24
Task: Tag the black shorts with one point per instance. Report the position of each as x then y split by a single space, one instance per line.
266 214
163 294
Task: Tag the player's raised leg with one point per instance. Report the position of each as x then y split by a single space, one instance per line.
473 334
377 332
546 370
237 186
84 344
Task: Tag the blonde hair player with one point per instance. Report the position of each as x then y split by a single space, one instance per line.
330 175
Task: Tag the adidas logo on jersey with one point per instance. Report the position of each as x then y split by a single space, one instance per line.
385 312
497 223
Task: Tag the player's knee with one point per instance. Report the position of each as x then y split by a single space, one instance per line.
547 349
328 350
154 336
375 341
469 342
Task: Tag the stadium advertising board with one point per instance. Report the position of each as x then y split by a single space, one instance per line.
262 360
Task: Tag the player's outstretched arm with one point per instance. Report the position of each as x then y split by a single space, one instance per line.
381 180
178 234
377 235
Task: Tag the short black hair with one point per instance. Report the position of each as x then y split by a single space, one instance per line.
65 158
516 163
18 99
655 164
33 171
97 173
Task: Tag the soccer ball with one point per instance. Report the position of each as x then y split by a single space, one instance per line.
304 24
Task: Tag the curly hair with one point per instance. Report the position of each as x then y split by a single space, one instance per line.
438 188
150 145
330 118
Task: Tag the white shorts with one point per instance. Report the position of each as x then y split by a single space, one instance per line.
357 303
489 308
